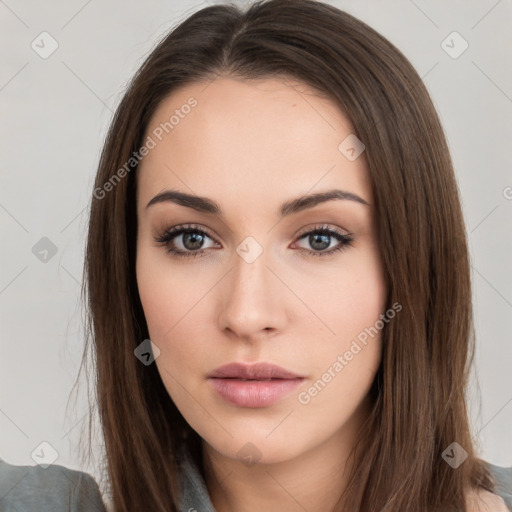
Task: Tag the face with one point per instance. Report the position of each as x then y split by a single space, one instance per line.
300 288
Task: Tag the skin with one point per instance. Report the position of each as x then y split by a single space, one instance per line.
251 146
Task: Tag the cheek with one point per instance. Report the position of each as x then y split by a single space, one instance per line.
348 299
166 292
352 303
175 305
158 291
344 364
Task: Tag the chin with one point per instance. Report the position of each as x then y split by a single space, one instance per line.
256 449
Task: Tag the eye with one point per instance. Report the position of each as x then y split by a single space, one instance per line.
188 241
320 238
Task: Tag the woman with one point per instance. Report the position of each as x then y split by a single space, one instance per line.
278 278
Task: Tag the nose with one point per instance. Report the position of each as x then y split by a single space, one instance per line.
252 299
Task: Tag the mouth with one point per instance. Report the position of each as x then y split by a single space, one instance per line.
253 385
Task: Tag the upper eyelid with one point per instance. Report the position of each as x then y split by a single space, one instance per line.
197 227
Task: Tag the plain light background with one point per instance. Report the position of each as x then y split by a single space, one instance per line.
55 113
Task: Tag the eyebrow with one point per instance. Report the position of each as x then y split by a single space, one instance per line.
206 205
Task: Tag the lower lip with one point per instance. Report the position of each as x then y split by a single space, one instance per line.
253 393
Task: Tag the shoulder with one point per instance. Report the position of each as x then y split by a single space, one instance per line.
55 488
484 501
480 500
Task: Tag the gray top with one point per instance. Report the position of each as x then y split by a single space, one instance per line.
503 478
59 489
53 489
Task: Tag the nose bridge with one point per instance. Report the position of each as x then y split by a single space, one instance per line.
251 301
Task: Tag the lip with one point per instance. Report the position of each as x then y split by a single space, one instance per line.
253 385
256 371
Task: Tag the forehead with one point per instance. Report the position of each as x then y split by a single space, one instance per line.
249 137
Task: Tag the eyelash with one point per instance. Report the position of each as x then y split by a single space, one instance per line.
165 238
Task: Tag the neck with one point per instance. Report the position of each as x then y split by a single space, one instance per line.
313 480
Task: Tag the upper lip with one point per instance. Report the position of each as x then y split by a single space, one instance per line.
257 371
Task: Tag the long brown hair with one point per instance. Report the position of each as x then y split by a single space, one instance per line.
419 401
